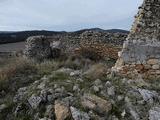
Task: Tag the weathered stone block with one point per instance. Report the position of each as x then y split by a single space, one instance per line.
96 103
146 66
139 67
155 67
152 61
158 72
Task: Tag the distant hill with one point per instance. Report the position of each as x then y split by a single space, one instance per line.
13 36
101 30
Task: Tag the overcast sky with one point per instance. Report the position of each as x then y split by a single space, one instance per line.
66 15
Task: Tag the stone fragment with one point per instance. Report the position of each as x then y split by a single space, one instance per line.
146 66
96 89
79 115
147 95
96 103
62 111
75 73
158 72
34 101
111 91
76 88
20 94
43 95
134 114
41 86
108 84
152 61
139 67
154 113
155 67
98 82
120 97
50 98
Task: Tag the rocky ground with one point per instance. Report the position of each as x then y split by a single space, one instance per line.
75 89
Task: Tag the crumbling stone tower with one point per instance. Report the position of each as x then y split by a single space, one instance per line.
141 51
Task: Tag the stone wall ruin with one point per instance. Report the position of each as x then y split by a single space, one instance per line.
141 51
42 47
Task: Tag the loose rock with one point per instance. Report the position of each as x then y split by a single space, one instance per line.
62 111
96 103
79 115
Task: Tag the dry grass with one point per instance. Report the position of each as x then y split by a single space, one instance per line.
15 74
13 67
18 71
10 67
96 71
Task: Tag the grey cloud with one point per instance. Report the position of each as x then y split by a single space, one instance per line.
66 14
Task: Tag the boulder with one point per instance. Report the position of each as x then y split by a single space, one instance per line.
62 111
154 113
96 104
34 101
147 95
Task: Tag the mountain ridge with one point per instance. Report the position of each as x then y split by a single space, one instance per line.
19 36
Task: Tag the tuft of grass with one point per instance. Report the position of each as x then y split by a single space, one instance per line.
58 76
46 67
96 71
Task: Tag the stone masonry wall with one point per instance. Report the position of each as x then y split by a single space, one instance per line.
141 51
70 42
104 43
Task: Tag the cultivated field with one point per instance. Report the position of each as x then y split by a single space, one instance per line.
10 47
